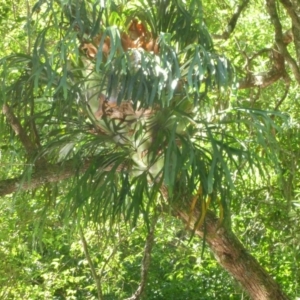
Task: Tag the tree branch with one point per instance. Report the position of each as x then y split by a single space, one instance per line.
145 262
287 81
291 12
51 173
91 265
232 22
280 53
233 257
228 250
15 124
279 39
277 71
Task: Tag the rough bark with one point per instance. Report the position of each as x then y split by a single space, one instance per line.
234 258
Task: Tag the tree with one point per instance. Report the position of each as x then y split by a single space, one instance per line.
119 106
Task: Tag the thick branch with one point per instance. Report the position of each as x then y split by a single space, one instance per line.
291 12
52 173
234 258
296 28
260 80
229 251
277 71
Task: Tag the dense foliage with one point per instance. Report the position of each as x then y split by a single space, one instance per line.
212 124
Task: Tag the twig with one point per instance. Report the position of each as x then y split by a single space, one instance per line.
286 91
91 265
145 262
106 261
243 53
254 98
232 22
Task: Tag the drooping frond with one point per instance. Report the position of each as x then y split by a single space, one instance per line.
124 86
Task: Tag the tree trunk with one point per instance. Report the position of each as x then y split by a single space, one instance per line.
234 258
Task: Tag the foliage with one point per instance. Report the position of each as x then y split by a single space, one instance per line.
197 132
53 265
200 146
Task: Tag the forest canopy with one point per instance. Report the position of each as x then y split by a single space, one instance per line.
149 149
